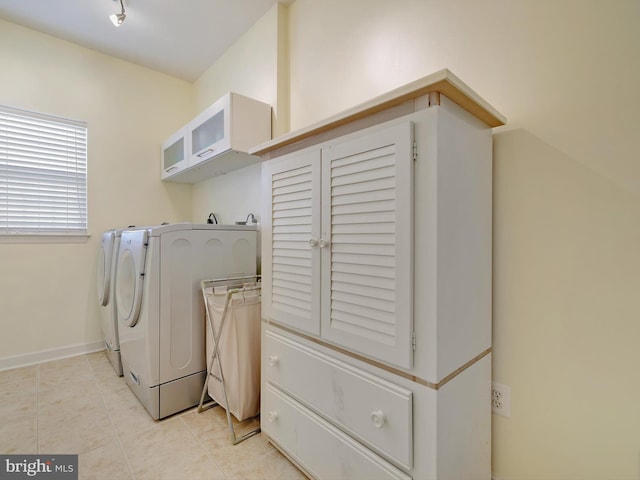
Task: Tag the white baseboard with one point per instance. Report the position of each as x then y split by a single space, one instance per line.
34 358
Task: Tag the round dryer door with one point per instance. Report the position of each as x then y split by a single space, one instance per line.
104 267
130 275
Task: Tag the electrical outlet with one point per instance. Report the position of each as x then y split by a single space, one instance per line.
501 399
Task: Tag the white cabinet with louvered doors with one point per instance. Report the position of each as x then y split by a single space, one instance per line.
367 245
291 293
341 219
376 287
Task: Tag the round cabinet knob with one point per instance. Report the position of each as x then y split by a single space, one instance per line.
378 418
272 416
273 360
313 242
323 243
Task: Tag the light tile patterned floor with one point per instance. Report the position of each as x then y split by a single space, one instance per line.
79 406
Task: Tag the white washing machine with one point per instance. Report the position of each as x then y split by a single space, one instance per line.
107 256
161 318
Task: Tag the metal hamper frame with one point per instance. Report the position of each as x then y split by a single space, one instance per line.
238 284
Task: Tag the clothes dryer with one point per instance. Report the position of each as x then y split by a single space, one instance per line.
107 255
160 309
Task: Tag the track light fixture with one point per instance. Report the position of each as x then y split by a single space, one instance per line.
118 18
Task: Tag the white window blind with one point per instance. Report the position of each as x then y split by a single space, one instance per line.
43 174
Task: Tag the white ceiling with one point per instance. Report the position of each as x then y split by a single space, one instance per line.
179 37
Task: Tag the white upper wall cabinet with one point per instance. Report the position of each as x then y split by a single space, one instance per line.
217 140
174 153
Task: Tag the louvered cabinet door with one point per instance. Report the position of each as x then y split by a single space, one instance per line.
367 245
291 264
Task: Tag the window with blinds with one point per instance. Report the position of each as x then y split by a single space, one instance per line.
43 174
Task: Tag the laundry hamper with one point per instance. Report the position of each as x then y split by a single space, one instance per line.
233 347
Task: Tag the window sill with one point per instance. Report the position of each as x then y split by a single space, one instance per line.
44 238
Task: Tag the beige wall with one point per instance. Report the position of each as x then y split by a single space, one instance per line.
47 291
567 197
566 304
255 66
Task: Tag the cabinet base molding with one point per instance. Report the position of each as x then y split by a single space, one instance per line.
373 363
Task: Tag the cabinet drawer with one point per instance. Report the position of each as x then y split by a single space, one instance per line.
319 448
376 412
